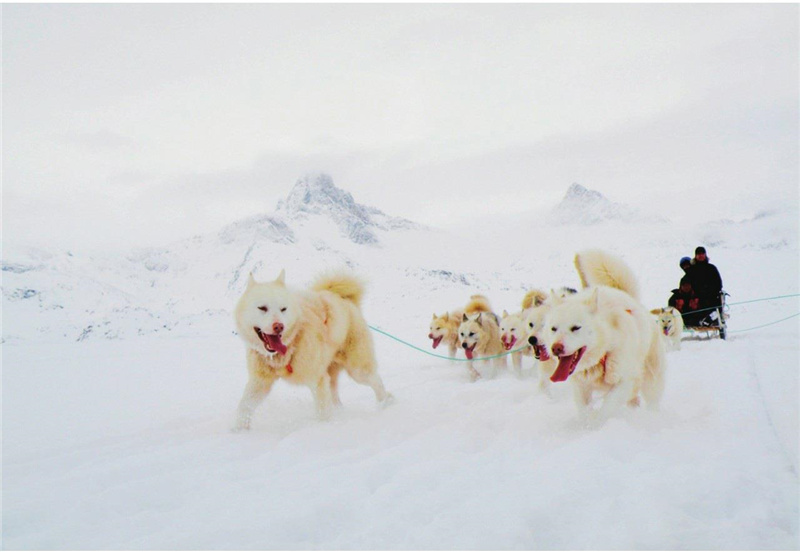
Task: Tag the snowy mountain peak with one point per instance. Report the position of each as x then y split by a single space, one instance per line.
576 192
316 194
313 193
584 206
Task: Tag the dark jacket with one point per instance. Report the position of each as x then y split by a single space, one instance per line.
686 302
706 282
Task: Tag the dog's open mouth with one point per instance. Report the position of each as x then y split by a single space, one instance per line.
508 342
666 330
470 351
567 365
436 340
540 352
272 342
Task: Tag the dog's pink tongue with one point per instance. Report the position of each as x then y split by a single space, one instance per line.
436 341
469 353
543 354
276 344
564 368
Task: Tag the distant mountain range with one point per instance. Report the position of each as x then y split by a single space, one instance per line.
188 287
164 289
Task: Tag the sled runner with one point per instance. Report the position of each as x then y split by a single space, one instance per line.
715 323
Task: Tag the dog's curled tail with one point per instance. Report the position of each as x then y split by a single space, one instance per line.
599 268
477 303
533 298
346 286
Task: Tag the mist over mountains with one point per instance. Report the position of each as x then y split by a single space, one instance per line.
189 286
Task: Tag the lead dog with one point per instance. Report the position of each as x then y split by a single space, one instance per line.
306 338
605 340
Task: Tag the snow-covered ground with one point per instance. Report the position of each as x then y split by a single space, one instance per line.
120 440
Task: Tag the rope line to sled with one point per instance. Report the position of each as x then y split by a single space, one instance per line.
411 345
767 324
406 343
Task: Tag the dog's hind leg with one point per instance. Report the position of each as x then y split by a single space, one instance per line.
654 367
322 396
255 392
371 378
334 370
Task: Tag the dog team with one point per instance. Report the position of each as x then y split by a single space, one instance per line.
601 339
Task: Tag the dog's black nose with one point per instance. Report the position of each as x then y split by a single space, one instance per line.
464 345
532 340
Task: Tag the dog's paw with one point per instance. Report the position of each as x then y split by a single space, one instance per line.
387 401
241 426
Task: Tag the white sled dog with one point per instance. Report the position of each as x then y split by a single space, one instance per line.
306 338
445 328
670 325
537 304
479 334
605 339
513 337
514 329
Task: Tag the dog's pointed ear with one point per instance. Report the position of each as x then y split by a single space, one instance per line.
478 320
281 279
505 313
446 316
555 298
464 317
592 302
250 281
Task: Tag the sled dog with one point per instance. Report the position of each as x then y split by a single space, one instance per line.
512 336
306 338
539 303
670 325
545 364
604 339
513 329
479 334
445 328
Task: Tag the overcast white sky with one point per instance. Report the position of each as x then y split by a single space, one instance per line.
141 124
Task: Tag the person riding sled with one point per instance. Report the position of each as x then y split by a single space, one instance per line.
707 285
686 302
